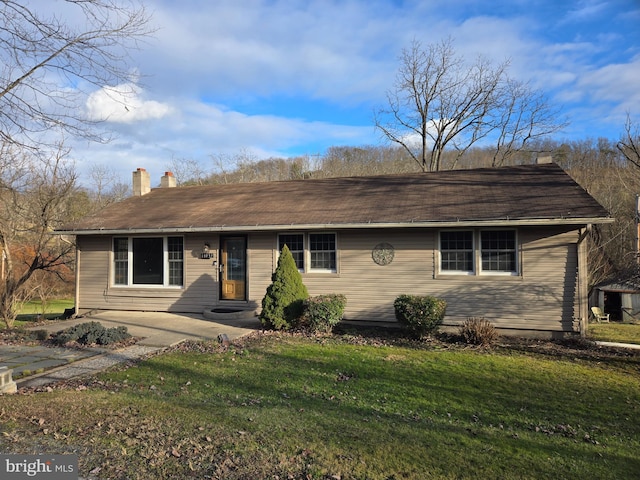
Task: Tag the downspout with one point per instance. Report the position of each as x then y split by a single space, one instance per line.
76 301
637 215
76 298
583 281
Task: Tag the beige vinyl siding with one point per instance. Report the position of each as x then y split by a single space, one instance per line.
543 296
550 297
93 281
200 290
369 287
260 266
201 281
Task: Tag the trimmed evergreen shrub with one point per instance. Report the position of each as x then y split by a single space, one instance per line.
323 312
420 315
113 335
92 333
282 305
478 331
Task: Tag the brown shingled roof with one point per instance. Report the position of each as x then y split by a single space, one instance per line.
514 194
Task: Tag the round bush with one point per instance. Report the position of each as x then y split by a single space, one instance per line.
420 315
323 312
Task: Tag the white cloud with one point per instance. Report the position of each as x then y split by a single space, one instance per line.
283 77
615 84
319 48
586 9
123 104
197 130
201 129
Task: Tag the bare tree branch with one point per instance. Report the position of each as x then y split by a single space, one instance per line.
525 116
35 194
187 171
629 145
440 102
49 66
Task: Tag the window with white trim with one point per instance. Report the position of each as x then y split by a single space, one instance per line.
295 244
120 261
148 261
175 257
456 251
498 251
312 252
322 251
478 252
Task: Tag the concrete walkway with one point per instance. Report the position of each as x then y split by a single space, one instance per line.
157 330
161 329
632 346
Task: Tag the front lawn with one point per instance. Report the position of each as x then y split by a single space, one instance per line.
32 312
615 332
344 407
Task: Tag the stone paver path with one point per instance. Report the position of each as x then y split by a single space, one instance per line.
34 366
88 366
29 360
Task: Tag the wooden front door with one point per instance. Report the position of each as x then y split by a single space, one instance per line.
233 268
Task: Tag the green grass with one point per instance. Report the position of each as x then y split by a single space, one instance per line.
615 332
31 311
292 407
56 306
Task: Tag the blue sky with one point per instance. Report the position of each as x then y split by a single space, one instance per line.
294 77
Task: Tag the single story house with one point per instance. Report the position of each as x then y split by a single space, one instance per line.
506 244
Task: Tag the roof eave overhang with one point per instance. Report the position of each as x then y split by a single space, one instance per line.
342 226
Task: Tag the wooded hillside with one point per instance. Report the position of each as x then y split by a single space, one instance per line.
598 165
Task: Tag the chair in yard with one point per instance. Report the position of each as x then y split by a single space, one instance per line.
599 315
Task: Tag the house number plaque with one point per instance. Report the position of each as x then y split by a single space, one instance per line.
383 253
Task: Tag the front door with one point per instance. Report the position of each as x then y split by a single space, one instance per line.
233 268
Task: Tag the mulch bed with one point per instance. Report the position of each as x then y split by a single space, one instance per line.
572 348
20 336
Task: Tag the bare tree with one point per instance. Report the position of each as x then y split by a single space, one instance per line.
106 186
49 65
601 170
629 145
441 102
234 168
187 171
367 160
525 116
222 163
34 195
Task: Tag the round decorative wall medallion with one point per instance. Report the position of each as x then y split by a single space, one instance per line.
383 253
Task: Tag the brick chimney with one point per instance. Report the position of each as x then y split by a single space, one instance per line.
167 180
141 182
